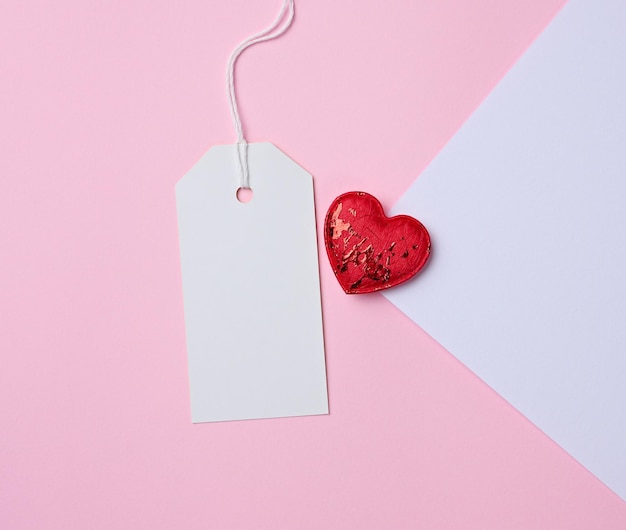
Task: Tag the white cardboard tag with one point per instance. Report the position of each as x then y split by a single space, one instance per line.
251 288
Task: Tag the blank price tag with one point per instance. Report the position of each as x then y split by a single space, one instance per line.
251 288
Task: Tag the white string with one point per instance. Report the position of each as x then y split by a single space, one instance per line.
277 28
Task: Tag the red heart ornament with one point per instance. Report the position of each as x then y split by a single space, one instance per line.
369 251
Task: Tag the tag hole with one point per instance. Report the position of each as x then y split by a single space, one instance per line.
244 195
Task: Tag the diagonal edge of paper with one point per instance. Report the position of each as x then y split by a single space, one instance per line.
526 283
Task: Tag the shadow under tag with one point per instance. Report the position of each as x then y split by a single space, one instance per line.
251 288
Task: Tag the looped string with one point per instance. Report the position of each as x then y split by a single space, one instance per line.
277 28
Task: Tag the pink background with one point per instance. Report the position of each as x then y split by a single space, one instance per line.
103 108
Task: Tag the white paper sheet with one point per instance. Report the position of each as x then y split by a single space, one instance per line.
525 206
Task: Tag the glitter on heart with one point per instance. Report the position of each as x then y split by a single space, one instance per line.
369 251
